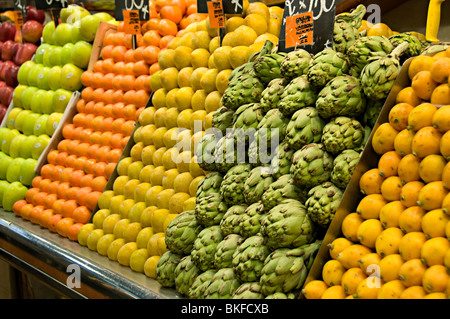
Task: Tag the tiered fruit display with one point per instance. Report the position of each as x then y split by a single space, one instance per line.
399 233
296 126
47 85
158 179
16 50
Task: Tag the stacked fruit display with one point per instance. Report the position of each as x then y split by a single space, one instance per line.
395 244
16 50
282 150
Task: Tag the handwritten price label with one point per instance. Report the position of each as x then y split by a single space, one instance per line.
132 23
216 15
18 20
299 29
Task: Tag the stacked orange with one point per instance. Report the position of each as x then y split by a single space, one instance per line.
116 91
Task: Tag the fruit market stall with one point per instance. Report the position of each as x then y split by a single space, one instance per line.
196 155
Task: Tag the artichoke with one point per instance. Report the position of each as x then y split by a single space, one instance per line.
415 46
271 95
200 283
281 163
287 225
343 167
299 93
346 28
209 184
205 152
248 290
373 109
323 203
433 48
257 183
295 63
223 284
267 67
281 295
185 274
364 48
248 258
246 120
205 246
231 221
325 66
311 165
285 270
283 188
182 232
226 153
250 221
224 254
379 75
342 133
222 119
210 209
165 269
342 96
305 127
232 187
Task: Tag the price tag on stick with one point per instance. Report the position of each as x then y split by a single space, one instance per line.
132 23
216 14
299 30
18 20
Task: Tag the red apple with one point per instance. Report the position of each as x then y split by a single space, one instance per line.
32 31
7 31
34 14
1 46
7 53
11 75
15 48
2 84
3 110
4 67
25 53
6 93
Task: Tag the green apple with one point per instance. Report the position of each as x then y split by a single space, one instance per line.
61 98
46 56
39 54
27 171
20 118
33 74
52 123
54 76
76 35
62 34
54 56
40 145
71 77
88 27
16 191
36 102
103 16
47 32
17 95
27 146
73 13
47 102
14 148
28 124
3 132
81 54
12 115
66 53
3 186
13 171
27 96
42 80
8 139
40 126
4 164
25 68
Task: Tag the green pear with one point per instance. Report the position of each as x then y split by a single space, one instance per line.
14 192
13 171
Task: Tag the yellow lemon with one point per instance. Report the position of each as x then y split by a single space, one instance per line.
150 266
189 204
114 205
152 245
114 248
170 99
171 116
166 58
138 259
103 244
194 185
184 75
208 80
152 195
209 119
159 115
182 57
200 57
105 197
184 118
186 39
267 36
195 169
198 100
157 175
228 39
143 236
157 156
84 232
214 44
159 98
122 166
155 81
174 43
196 137
196 77
222 58
158 218
257 22
169 158
198 120
131 231
238 56
274 27
161 244
146 116
176 202
379 29
201 39
124 253
244 35
233 23
254 48
212 103
183 161
168 219
146 173
258 8
182 181
164 198
169 78
169 178
276 13
211 64
183 98
170 137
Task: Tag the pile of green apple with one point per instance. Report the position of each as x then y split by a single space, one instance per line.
46 85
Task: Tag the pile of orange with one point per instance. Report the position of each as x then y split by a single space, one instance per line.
115 92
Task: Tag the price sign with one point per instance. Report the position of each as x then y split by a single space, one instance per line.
216 15
18 19
132 23
142 6
51 4
307 24
229 6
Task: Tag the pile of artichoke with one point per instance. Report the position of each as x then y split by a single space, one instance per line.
296 125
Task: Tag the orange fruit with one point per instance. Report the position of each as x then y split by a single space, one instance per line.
62 226
68 207
171 13
150 54
72 231
152 37
18 206
167 27
81 215
53 221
